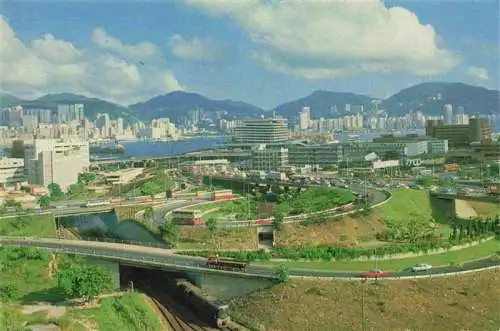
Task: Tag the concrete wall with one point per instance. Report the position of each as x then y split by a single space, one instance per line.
225 287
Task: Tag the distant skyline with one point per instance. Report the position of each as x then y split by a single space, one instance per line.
261 52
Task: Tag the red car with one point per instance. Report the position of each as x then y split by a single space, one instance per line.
375 273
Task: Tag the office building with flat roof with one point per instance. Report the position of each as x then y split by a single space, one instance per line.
49 161
477 130
269 159
261 131
314 154
11 173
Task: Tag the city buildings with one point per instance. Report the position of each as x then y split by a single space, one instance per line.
322 155
269 159
261 131
478 130
11 173
55 161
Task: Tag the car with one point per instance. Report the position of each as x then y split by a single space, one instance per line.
375 273
421 267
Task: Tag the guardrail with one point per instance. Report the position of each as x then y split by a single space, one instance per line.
416 276
148 260
123 241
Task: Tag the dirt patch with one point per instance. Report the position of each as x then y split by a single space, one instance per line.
485 209
469 302
464 210
346 231
200 238
44 327
50 310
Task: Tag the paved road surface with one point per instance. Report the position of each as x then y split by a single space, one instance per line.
133 253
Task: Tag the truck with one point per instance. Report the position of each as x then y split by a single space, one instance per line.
215 262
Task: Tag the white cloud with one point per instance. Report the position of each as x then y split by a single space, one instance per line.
194 49
477 73
116 72
333 38
142 50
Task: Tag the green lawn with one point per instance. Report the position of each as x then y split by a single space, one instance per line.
407 203
40 226
482 250
28 269
128 312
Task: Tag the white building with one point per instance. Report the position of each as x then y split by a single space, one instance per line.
305 118
416 148
261 131
448 114
11 173
54 161
437 146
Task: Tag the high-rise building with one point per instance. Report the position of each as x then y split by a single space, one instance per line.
460 110
49 161
448 114
305 118
261 131
70 112
102 123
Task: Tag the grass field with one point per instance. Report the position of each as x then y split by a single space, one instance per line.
40 226
200 238
484 249
406 204
360 230
130 312
30 275
469 302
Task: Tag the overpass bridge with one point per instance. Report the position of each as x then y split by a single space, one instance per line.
470 197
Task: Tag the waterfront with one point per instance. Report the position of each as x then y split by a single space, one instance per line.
140 148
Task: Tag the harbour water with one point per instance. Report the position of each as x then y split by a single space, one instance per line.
159 148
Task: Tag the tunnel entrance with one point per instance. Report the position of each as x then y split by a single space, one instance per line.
162 287
266 239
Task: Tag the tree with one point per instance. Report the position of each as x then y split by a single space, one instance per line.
282 274
8 293
150 189
211 225
149 214
425 181
169 230
44 201
87 177
85 282
55 190
278 221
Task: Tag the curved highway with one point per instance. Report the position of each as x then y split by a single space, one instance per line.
167 258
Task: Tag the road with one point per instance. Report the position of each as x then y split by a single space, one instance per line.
75 207
157 256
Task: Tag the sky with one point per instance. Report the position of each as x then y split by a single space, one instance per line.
264 52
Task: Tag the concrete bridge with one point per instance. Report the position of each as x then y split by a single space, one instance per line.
470 197
217 283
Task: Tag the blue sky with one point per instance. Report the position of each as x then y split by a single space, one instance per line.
126 51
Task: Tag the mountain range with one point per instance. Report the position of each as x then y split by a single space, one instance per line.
426 97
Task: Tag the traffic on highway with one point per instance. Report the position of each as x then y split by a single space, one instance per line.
168 259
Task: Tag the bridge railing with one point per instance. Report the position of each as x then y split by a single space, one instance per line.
126 242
